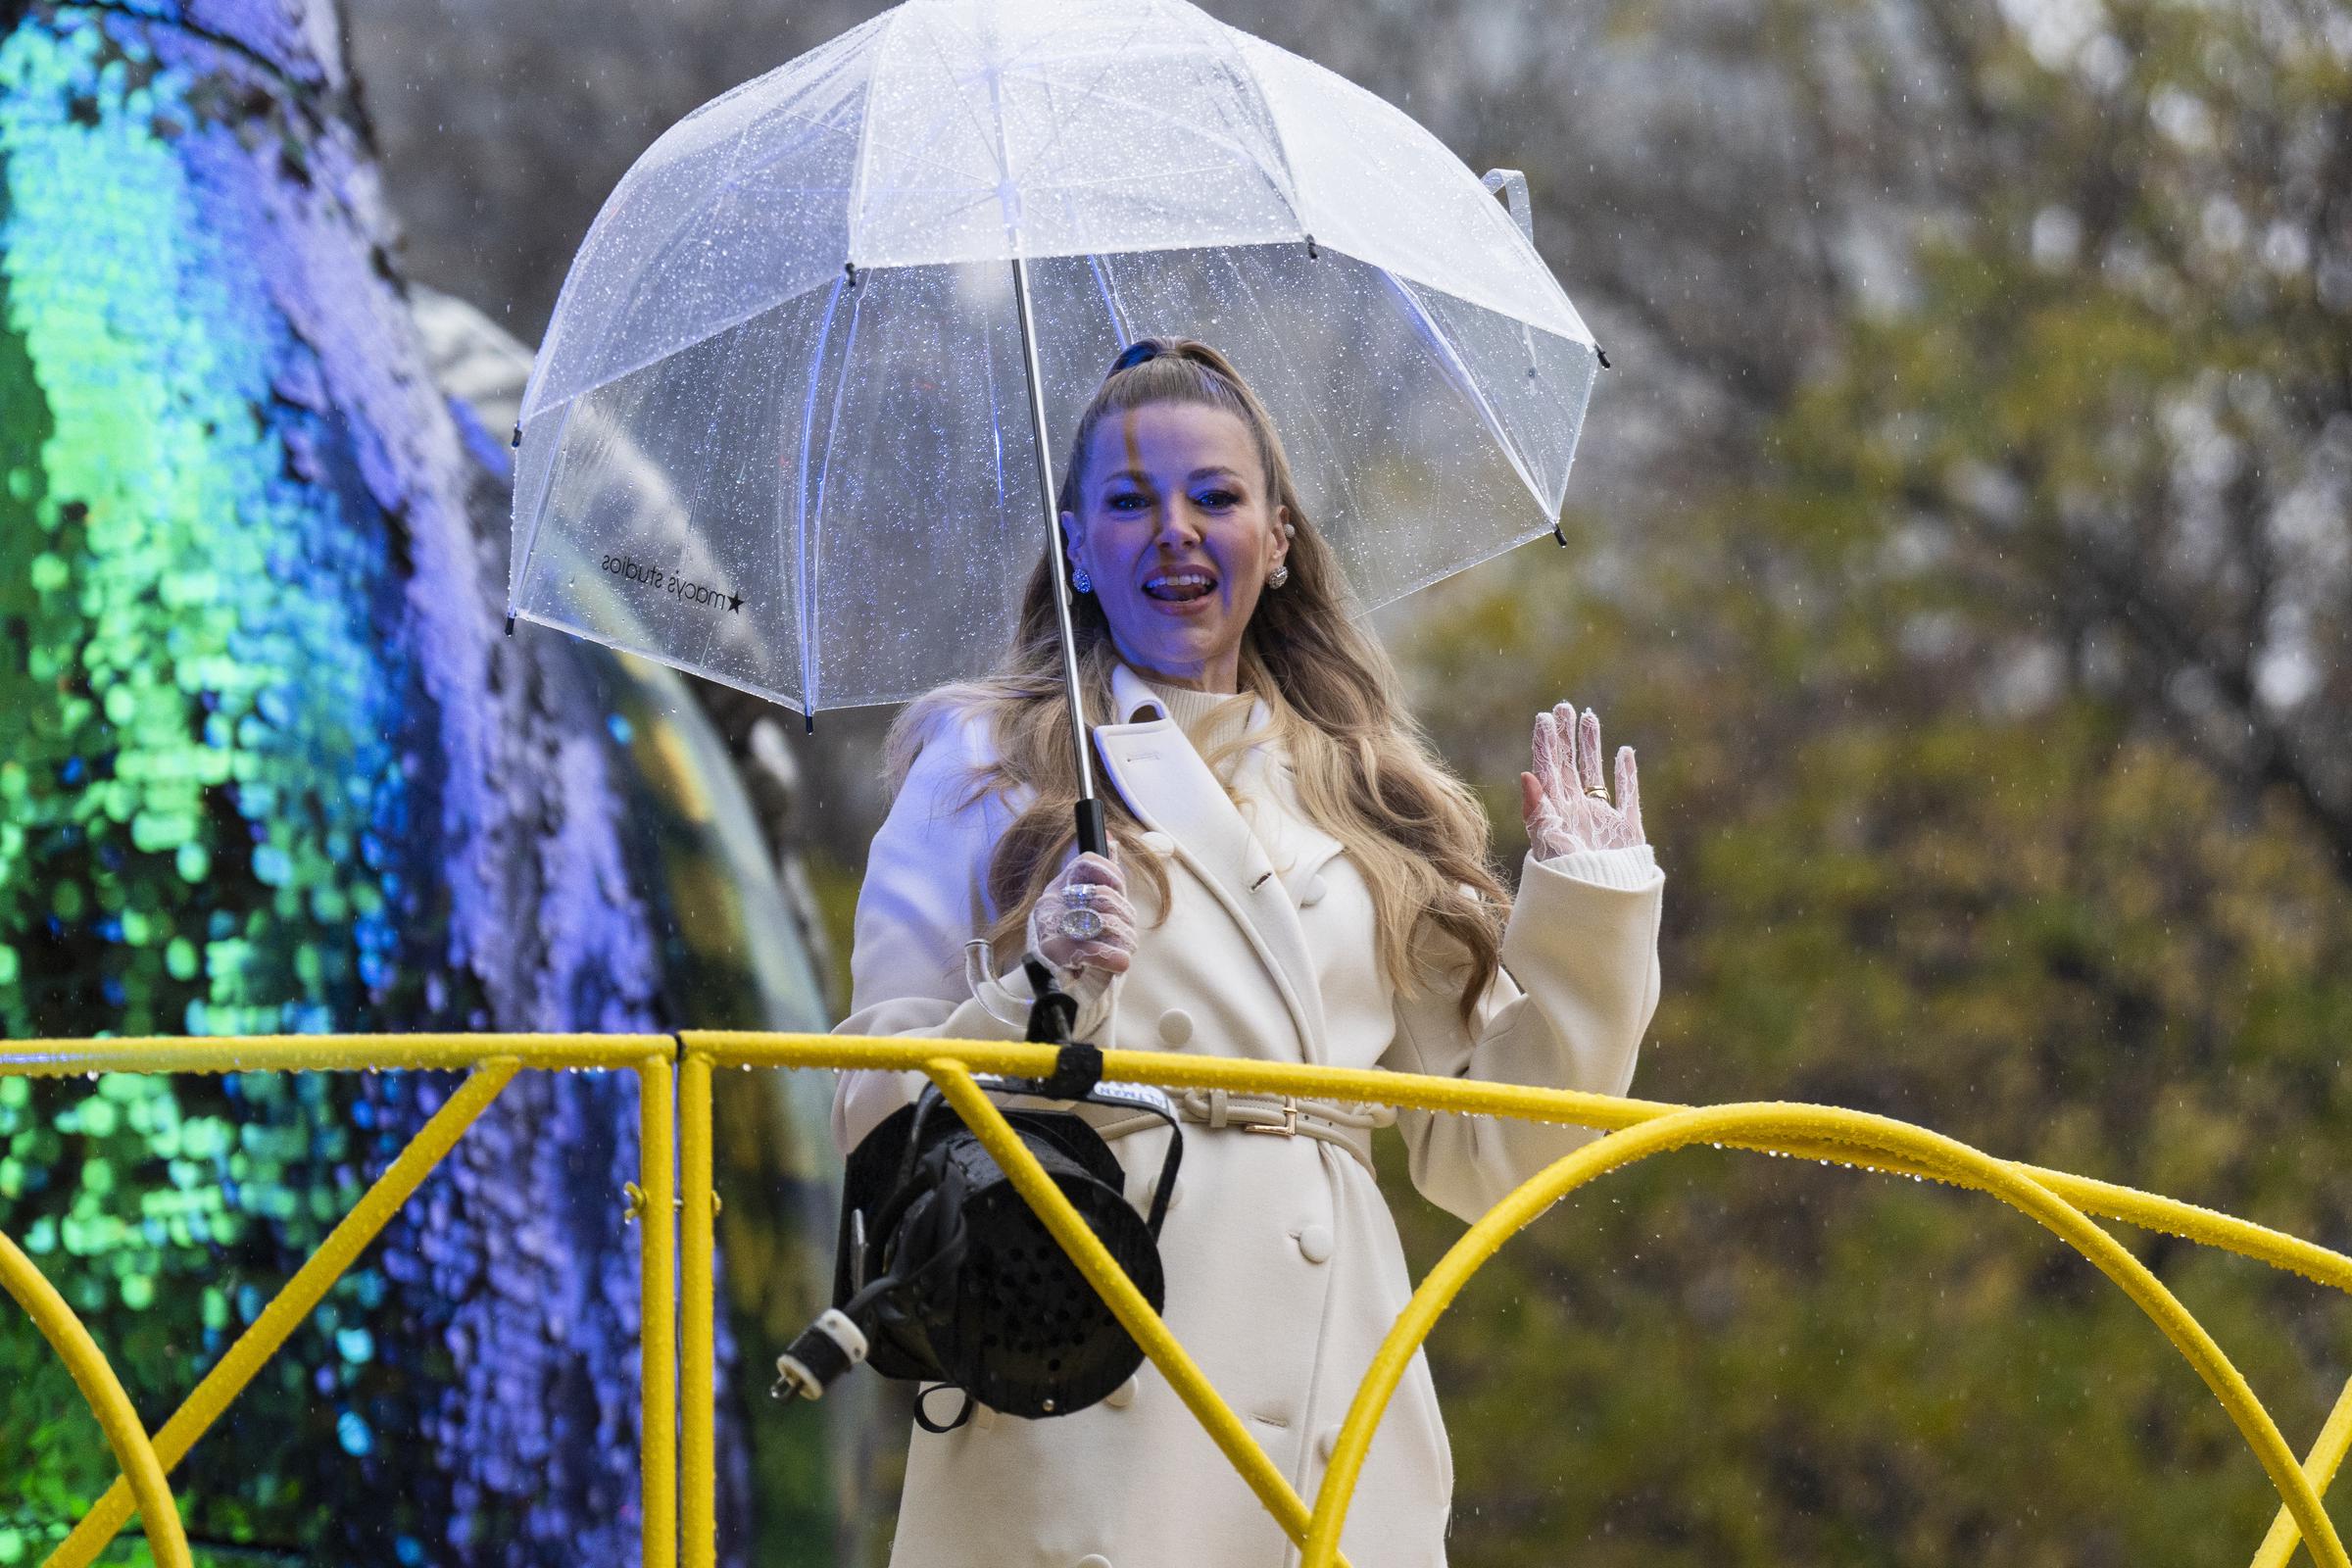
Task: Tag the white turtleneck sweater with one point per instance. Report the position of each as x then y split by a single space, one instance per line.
1207 718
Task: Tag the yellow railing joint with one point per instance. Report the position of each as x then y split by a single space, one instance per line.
2320 1466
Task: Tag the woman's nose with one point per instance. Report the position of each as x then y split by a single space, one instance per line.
1177 524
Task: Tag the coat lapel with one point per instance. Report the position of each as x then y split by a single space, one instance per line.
1298 847
1170 790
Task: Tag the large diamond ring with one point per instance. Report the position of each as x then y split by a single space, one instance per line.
1081 924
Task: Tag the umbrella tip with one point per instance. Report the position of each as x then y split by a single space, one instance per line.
510 623
518 441
850 268
809 720
1605 356
1312 251
1561 537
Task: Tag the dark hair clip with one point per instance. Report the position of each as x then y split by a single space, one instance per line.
1135 354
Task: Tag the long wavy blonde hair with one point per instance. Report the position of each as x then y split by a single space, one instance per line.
1364 771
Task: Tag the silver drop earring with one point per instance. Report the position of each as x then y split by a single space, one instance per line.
1282 575
1081 581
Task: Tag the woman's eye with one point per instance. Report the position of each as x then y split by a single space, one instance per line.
1122 503
1218 499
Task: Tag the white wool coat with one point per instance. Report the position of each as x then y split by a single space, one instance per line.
1281 1260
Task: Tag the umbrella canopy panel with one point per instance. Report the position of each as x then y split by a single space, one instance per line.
961 130
833 501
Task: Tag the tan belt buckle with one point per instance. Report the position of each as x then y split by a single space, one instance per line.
1290 1121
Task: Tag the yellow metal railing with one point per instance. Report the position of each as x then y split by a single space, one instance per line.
675 1212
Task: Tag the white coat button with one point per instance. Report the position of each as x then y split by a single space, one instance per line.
1175 1026
1313 892
1158 843
1327 1444
1314 1244
1121 1396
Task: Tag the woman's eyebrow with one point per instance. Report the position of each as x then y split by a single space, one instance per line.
1141 477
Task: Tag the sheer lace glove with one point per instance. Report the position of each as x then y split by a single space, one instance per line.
1084 927
1566 807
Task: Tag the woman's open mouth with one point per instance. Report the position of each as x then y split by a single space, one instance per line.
1180 587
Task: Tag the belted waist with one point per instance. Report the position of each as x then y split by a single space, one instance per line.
1346 1123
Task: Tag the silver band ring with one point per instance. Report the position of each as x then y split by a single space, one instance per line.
1081 924
1596 789
1076 893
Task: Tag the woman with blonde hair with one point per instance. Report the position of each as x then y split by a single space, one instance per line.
1294 876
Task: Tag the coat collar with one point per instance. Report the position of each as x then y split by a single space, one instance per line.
1131 699
1171 791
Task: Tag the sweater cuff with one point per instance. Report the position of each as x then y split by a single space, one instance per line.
1629 869
1009 995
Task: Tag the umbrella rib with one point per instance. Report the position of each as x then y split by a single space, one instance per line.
816 519
806 570
1282 149
519 578
1461 375
1110 290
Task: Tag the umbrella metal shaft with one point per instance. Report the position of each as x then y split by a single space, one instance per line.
1091 836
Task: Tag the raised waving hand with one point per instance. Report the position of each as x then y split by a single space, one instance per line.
1565 806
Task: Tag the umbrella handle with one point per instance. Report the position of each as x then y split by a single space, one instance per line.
1092 837
1513 185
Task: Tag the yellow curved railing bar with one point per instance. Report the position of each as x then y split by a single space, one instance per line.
293 1302
2335 1437
108 1402
685 1301
1779 1123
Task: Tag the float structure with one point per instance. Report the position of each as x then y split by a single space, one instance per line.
674 1204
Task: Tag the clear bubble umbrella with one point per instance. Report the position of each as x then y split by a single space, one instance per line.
793 425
